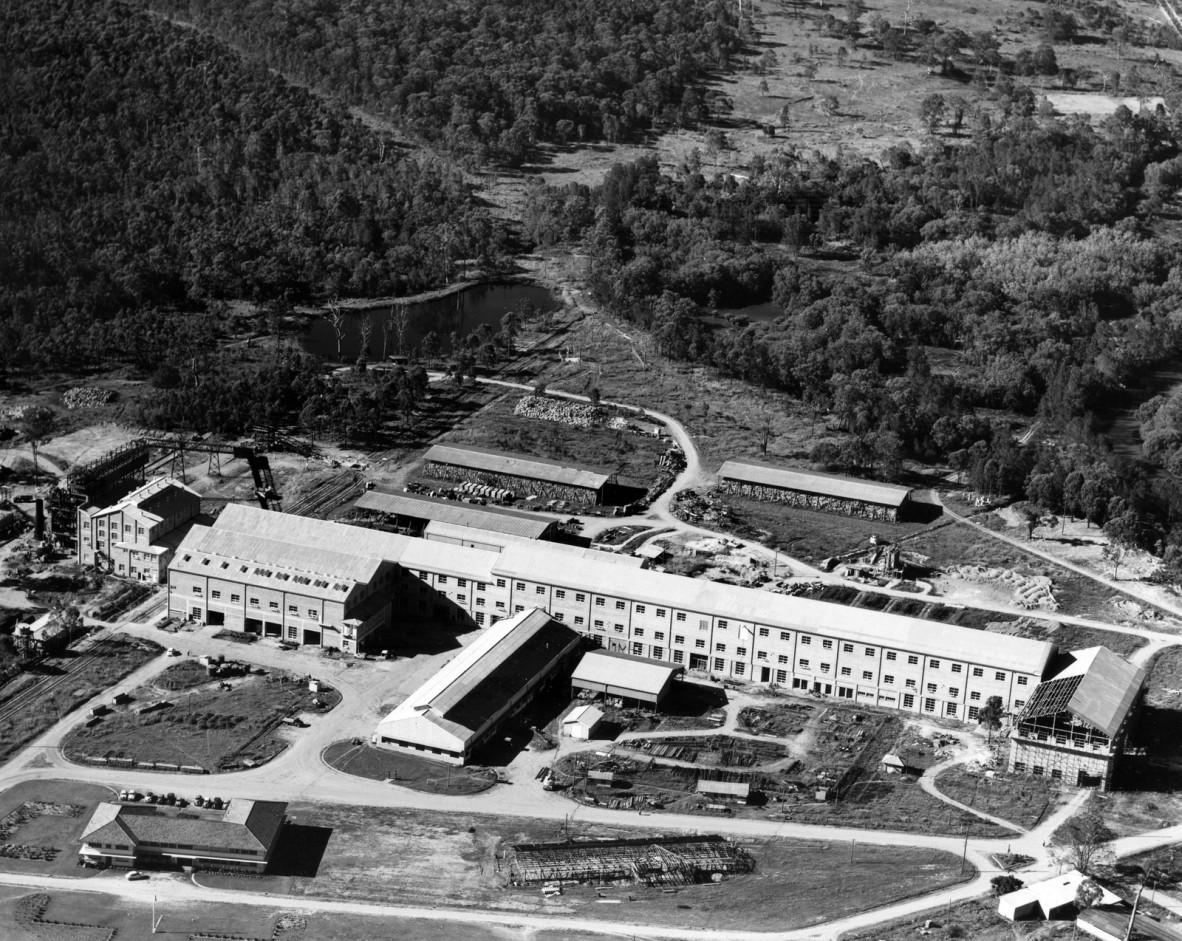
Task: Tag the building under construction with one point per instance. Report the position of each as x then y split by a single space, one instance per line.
676 860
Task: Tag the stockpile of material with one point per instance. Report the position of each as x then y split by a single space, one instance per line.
560 410
87 397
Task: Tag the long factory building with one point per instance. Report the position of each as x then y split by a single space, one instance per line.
331 584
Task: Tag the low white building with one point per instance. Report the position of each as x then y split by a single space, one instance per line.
582 722
1052 899
484 685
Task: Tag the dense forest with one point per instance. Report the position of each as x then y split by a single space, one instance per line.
146 172
490 80
1010 274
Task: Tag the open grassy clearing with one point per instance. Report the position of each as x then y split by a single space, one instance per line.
453 860
63 685
976 919
218 726
58 812
1020 800
410 771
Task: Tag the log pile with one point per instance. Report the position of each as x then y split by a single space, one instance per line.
578 414
87 397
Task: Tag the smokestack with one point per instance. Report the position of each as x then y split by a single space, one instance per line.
39 519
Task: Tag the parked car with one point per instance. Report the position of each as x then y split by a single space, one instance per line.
135 875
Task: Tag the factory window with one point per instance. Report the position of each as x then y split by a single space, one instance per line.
659 635
599 602
293 609
931 687
658 653
559 593
86 524
579 596
1037 770
740 668
977 671
619 606
197 590
540 590
1019 766
908 701
929 705
599 625
950 709
1056 774
661 612
870 651
806 640
578 620
954 692
891 655
480 617
679 656
1022 680
720 648
235 598
1019 703
292 633
680 616
974 712
559 616
518 608
722 625
934 664
742 651
764 632
638 650
462 599
824 667
910 684
462 582
215 594
640 609
480 602
847 648
313 614
888 679
804 664
975 697
639 632
703 624
273 605
500 582
442 579
912 659
719 664
424 575
761 655
845 692
784 635
521 586
480 586
781 676
783 658
700 644
827 644
618 628
679 638
501 605
846 671
867 675
999 675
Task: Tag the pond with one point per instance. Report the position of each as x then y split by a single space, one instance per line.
459 313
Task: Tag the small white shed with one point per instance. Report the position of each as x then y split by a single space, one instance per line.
582 722
892 764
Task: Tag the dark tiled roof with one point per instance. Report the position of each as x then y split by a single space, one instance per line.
243 825
532 468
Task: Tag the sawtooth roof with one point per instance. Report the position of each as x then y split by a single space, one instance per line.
826 485
492 519
533 468
1098 687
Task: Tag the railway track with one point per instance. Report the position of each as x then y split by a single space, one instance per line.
89 650
327 496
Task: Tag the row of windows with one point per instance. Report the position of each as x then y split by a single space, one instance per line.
216 595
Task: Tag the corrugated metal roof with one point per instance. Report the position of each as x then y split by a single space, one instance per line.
470 690
620 671
771 609
828 485
493 519
1098 687
534 468
584 715
730 788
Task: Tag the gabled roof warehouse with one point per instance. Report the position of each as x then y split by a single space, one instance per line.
535 468
617 674
825 485
456 710
1099 688
493 519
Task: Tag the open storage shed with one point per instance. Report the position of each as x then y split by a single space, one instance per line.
633 679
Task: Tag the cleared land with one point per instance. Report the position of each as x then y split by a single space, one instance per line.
63 683
43 815
210 726
1021 801
455 860
976 920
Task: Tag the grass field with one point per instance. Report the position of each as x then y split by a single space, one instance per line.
97 669
207 726
410 771
453 860
1021 801
50 829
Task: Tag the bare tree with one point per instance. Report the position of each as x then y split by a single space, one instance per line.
336 318
1082 842
401 326
366 333
37 424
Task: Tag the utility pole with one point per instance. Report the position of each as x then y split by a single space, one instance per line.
155 921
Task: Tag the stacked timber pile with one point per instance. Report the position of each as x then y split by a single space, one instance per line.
567 413
1031 591
87 397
